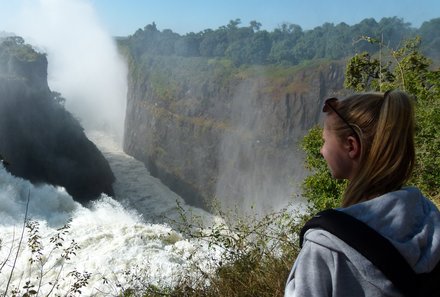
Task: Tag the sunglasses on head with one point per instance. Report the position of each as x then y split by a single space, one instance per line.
328 105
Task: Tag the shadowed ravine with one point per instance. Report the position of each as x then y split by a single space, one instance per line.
135 187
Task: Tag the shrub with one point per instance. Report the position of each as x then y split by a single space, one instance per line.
252 256
44 255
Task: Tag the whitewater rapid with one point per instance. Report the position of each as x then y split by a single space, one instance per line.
118 237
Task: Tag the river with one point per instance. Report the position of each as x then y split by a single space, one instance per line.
111 242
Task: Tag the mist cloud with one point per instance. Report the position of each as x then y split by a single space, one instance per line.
84 65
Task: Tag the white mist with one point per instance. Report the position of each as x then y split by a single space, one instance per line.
84 64
252 178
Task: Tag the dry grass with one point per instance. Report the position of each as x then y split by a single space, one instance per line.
257 258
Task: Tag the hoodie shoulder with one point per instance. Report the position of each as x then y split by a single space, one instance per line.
409 221
348 269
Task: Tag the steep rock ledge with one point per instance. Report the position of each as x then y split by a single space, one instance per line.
39 139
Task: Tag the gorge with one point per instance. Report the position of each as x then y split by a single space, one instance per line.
212 131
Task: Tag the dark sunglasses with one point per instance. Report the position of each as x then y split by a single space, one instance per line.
328 105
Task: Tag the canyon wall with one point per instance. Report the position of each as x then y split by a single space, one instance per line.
213 132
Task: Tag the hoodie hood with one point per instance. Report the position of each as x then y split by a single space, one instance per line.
409 221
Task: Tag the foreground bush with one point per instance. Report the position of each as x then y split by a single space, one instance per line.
255 257
43 256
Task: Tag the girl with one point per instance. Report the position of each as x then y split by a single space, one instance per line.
369 140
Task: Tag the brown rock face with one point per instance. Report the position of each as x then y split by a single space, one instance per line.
209 133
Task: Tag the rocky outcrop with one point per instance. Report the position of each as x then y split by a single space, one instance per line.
39 139
210 131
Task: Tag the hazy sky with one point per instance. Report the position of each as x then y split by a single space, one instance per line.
124 17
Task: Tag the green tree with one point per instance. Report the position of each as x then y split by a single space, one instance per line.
255 25
188 45
367 27
284 40
304 49
338 42
165 42
394 30
144 40
281 53
213 43
235 33
409 70
236 51
259 48
287 45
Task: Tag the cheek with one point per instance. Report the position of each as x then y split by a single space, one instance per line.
332 158
324 151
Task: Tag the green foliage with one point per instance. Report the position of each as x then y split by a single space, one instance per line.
287 45
58 98
163 86
256 254
14 46
408 69
168 83
44 257
365 72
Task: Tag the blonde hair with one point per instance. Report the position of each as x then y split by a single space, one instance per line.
384 124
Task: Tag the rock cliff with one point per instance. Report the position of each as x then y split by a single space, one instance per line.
39 139
211 131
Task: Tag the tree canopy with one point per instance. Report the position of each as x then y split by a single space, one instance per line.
287 45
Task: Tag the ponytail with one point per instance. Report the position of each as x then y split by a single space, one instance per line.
385 125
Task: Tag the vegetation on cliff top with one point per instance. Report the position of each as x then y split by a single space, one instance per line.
287 45
14 46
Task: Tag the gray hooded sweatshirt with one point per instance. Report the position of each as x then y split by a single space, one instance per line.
327 266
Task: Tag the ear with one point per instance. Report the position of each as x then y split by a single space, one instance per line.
353 147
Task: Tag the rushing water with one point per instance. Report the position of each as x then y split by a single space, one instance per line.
117 237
